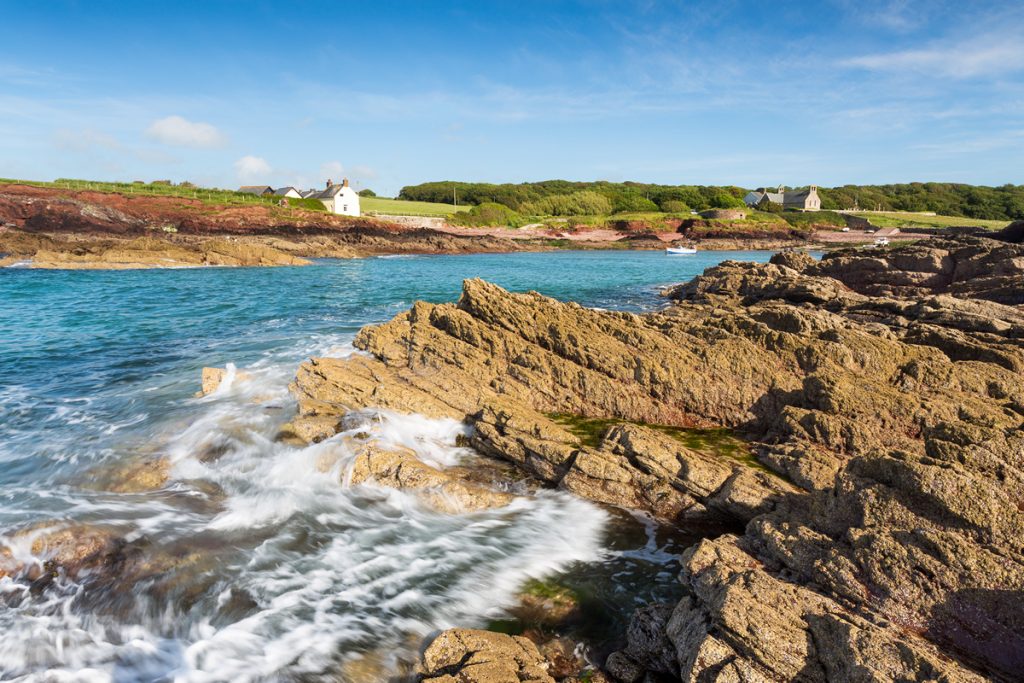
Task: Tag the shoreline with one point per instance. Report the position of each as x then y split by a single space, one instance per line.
857 442
79 229
808 426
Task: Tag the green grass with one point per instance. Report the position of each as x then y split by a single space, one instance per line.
206 195
900 219
401 207
719 442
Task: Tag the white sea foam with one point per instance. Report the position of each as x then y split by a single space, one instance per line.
334 573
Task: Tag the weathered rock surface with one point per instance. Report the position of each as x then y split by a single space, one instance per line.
468 656
212 378
968 267
447 490
883 544
152 252
68 548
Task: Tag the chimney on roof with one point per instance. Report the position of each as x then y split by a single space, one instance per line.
344 182
329 183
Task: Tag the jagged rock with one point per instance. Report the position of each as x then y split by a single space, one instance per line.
213 377
468 656
742 623
71 549
561 657
974 267
442 489
797 260
885 386
1012 233
146 474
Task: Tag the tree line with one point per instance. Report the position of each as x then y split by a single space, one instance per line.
564 197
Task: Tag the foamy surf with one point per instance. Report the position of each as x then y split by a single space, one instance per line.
318 574
265 564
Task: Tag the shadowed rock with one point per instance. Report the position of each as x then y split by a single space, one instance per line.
881 392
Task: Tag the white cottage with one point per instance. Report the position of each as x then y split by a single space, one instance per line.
340 199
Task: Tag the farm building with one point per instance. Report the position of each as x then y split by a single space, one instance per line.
802 200
289 192
260 190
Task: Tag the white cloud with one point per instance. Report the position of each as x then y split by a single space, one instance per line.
180 132
253 169
988 57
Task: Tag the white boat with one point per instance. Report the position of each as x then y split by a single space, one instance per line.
680 250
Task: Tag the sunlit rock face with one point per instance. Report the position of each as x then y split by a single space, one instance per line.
882 487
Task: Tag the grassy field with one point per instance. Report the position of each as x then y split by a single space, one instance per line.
899 219
205 194
401 207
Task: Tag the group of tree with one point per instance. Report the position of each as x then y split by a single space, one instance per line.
1005 202
567 198
563 197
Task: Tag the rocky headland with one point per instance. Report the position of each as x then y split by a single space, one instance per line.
847 436
68 229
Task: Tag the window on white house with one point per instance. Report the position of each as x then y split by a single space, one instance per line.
344 207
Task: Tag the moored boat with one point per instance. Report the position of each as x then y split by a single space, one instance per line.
680 250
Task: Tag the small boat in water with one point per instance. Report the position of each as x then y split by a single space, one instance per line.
680 250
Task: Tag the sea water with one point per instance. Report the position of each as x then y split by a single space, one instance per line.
279 571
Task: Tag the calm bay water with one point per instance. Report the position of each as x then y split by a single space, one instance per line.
276 570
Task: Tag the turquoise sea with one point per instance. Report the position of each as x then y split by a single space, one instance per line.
268 567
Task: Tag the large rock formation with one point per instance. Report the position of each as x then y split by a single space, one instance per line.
968 266
876 534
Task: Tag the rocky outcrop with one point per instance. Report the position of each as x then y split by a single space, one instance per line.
468 656
968 267
874 517
448 490
213 378
1012 233
149 252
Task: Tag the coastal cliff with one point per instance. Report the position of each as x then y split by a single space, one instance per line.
865 527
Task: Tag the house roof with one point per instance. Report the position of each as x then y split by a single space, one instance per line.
330 193
778 197
256 189
282 191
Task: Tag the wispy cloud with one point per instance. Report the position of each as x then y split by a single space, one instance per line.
988 56
898 16
85 140
964 145
91 142
178 131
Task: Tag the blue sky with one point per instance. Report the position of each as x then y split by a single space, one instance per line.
393 93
